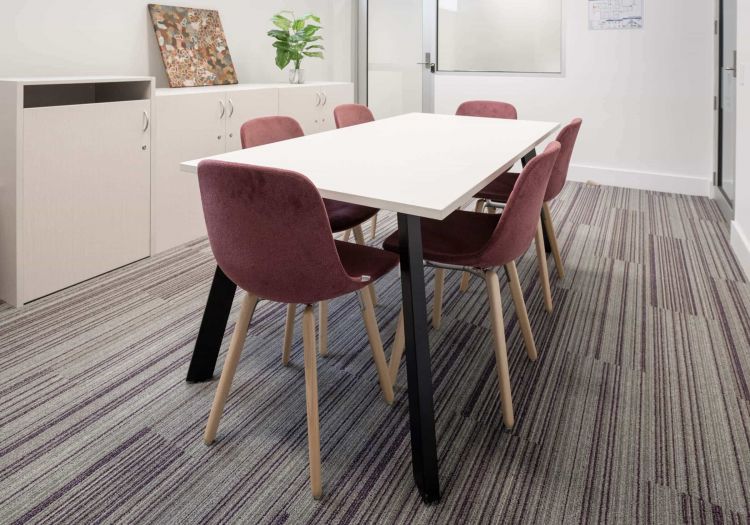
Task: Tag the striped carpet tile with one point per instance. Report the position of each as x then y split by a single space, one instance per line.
637 410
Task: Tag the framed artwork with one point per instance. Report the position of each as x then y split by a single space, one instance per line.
193 46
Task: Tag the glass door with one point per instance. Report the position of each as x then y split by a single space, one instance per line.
398 57
728 98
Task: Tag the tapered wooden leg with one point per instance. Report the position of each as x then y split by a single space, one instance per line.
359 238
374 226
437 304
323 328
501 351
397 352
541 256
523 316
550 229
291 311
466 275
230 366
376 345
311 394
347 235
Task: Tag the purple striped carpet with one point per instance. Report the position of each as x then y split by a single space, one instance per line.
638 409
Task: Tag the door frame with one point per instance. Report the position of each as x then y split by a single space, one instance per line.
725 203
429 44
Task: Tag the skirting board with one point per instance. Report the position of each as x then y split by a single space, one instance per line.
741 247
642 180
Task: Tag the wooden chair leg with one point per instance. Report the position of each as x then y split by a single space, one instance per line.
376 344
466 276
230 366
291 311
501 351
323 328
541 256
347 235
359 238
397 352
374 226
521 312
550 229
311 394
437 304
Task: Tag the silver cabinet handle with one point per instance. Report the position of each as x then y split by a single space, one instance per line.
231 108
317 99
223 109
147 121
325 98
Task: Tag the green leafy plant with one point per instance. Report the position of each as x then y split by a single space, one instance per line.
296 38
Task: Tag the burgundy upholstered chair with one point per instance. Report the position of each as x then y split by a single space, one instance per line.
342 216
347 115
481 243
499 190
270 234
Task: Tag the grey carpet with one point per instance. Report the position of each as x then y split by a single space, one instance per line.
638 409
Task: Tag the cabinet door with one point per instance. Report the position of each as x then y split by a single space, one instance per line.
86 179
332 96
303 104
245 105
186 127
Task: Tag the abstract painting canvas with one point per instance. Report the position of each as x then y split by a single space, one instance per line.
193 46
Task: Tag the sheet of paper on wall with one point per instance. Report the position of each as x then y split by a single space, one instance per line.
615 14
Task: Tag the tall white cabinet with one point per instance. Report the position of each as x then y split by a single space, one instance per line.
75 160
192 123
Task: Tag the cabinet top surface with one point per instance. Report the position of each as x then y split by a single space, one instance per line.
420 164
74 80
241 87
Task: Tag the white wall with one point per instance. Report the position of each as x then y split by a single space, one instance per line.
100 37
645 96
741 224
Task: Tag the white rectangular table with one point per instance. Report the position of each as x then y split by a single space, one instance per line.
417 165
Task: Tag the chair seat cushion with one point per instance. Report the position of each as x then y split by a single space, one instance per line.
344 216
499 189
458 239
361 260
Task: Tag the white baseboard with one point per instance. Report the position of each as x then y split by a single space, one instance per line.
741 247
642 180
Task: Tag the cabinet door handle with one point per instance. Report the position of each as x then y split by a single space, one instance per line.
318 99
223 109
147 121
325 98
231 108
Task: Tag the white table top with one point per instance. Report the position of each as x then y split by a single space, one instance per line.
419 164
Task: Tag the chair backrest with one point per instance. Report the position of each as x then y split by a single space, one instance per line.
487 108
567 139
516 228
347 115
270 234
265 130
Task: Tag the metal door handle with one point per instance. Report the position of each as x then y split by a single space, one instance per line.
147 121
223 109
231 108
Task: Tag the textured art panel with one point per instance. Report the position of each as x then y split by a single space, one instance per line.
193 46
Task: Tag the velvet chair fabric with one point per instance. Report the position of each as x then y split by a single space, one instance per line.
499 189
270 234
347 115
487 108
484 240
266 130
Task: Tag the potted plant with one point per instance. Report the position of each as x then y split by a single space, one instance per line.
296 39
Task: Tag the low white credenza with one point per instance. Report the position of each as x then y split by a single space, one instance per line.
74 180
90 168
191 123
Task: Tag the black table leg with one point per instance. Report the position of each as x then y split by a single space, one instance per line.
419 372
212 329
525 160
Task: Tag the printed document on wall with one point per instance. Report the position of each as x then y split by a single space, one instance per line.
615 14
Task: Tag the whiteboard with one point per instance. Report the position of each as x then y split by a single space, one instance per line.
615 14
